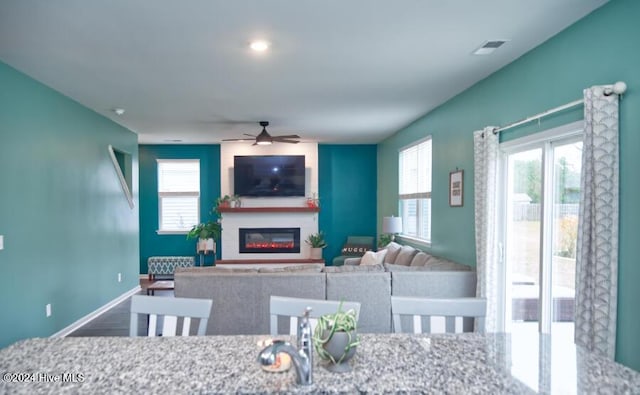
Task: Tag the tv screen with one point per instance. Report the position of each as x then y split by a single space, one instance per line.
269 175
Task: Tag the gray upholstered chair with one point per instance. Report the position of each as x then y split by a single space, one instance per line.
168 310
366 242
467 308
294 308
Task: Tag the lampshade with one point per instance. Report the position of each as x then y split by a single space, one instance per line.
392 225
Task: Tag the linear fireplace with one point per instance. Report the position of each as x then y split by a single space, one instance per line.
269 240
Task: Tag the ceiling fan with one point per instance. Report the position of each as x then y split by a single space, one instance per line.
264 138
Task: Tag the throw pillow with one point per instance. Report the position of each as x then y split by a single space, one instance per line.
420 259
373 258
393 249
405 256
355 249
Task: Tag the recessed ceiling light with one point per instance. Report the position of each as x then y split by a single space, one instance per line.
259 45
118 111
489 46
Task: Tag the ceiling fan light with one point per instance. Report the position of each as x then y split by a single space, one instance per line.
263 142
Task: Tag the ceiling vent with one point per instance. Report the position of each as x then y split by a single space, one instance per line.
489 46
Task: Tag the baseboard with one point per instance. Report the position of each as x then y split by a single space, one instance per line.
95 314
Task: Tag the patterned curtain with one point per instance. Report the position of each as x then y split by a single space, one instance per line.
597 249
485 152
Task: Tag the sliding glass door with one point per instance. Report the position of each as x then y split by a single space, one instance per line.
541 195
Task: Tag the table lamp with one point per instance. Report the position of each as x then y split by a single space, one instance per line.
392 225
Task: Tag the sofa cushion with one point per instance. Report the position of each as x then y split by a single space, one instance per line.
355 249
372 290
390 267
216 269
420 259
442 264
373 258
315 267
354 268
405 256
393 249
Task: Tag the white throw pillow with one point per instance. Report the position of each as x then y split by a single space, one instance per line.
373 258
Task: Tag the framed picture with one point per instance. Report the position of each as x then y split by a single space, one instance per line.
455 188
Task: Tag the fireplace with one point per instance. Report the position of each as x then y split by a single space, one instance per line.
269 240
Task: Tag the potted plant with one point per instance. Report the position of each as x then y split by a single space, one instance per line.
317 243
206 233
222 202
234 201
384 239
313 201
335 339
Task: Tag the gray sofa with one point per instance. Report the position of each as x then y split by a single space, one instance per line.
241 296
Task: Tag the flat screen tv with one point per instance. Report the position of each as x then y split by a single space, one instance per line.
268 175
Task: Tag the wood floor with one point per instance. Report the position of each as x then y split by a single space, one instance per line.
115 321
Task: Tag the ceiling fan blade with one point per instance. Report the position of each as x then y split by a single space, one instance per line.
275 140
247 134
288 136
238 139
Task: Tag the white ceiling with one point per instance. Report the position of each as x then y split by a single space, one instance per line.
338 71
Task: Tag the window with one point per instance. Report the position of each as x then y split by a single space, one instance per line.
178 194
415 190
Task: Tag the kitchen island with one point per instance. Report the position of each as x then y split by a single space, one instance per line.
391 363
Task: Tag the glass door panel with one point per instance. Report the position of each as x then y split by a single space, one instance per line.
523 238
566 197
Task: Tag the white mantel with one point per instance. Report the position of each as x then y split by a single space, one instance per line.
232 221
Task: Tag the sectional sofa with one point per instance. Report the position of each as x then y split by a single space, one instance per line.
241 296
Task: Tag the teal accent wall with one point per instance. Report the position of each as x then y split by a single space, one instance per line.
151 243
68 228
347 188
599 49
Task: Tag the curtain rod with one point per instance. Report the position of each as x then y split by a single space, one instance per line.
618 88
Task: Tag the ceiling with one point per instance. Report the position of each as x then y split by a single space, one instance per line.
337 71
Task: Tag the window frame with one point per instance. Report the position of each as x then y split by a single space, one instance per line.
188 194
416 195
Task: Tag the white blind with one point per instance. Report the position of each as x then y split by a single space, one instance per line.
179 176
415 170
178 194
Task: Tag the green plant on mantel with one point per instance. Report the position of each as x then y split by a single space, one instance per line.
328 324
316 240
222 201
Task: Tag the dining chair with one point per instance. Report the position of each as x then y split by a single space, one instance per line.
168 309
295 307
450 309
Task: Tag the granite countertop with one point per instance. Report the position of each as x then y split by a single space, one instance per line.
400 363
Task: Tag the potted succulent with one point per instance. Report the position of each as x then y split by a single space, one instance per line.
317 243
206 233
335 339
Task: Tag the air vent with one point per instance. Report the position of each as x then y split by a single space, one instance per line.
489 46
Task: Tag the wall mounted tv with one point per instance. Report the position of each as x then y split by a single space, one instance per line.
269 175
